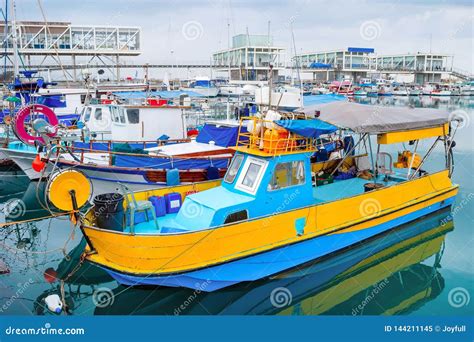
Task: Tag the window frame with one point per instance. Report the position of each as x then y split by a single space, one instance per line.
98 110
288 186
258 179
241 157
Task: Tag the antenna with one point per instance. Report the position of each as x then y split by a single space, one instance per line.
297 61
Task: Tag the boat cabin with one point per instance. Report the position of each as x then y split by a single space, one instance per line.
134 123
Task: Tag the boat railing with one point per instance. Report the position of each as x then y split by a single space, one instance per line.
267 138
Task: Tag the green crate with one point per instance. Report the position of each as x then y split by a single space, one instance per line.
324 179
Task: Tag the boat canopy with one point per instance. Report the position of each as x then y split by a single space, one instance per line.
222 135
361 118
307 128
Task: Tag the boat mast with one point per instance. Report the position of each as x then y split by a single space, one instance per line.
5 42
15 42
228 68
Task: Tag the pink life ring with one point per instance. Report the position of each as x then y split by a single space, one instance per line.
21 116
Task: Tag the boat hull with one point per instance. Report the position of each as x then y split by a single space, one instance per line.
276 261
197 258
24 160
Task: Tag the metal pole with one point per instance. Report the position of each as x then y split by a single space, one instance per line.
372 160
425 157
15 42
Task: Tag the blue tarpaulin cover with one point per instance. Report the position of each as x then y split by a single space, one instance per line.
52 101
307 128
317 65
167 163
224 136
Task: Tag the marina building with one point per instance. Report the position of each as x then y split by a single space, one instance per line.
249 58
56 40
355 63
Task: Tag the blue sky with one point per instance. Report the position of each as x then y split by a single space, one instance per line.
396 26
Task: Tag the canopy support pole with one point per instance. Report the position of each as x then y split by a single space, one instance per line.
412 159
424 158
372 160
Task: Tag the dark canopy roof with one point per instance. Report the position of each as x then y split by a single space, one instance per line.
362 118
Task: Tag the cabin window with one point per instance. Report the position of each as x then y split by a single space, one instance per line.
87 114
98 114
251 175
287 174
236 217
121 115
133 115
233 169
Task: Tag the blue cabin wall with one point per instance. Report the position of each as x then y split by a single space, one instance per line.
221 201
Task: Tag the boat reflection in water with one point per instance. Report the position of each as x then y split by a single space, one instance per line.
394 273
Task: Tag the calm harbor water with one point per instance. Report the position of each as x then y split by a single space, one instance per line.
423 268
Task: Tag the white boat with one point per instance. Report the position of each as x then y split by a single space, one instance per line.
414 91
203 86
319 90
427 89
467 89
65 102
455 90
441 90
286 97
231 90
126 123
400 91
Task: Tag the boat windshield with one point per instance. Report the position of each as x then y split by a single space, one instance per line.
233 169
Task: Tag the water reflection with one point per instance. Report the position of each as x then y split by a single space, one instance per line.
441 102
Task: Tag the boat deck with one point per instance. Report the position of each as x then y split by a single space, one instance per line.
323 193
347 188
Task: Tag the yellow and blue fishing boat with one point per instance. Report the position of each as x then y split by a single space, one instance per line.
283 202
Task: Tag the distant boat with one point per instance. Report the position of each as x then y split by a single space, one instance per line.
414 91
400 91
203 86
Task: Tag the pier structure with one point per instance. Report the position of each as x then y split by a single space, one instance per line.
249 58
355 63
350 63
62 43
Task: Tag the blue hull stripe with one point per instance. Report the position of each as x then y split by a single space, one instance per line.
266 264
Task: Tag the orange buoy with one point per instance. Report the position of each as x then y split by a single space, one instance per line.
38 165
